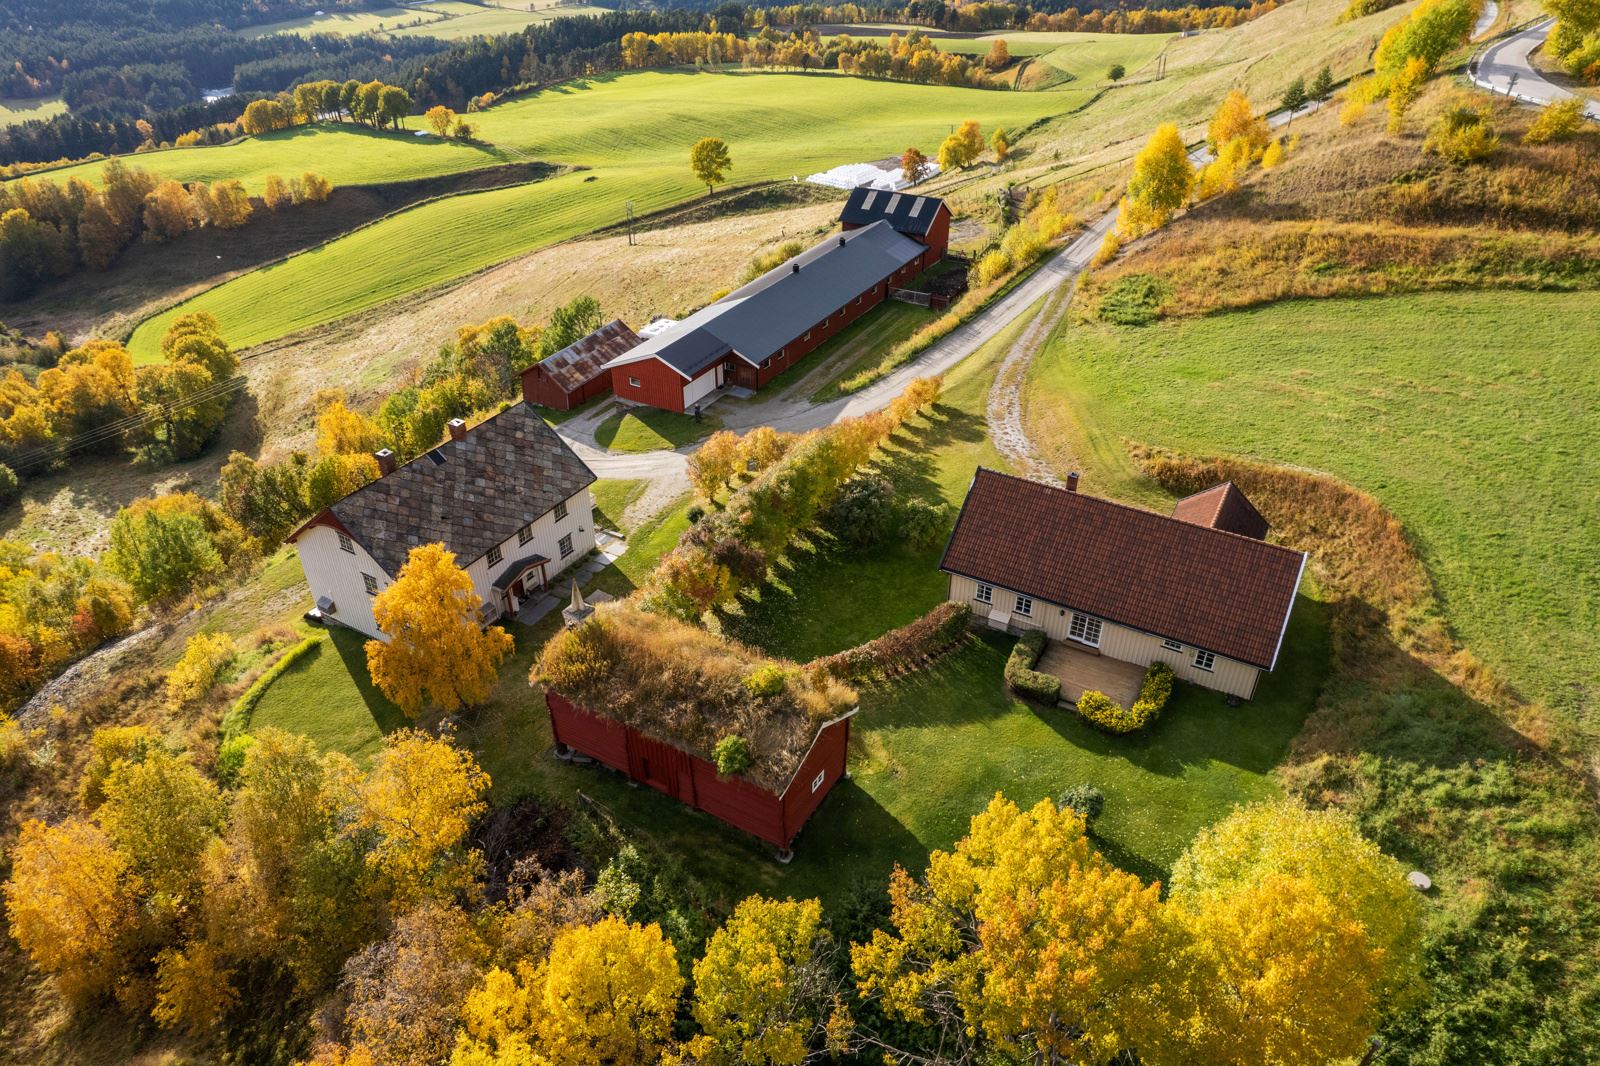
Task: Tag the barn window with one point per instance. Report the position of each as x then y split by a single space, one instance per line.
371 584
859 299
494 555
561 510
816 782
633 382
1204 660
1172 645
525 534
1085 629
1025 606
985 594
807 336
346 544
565 544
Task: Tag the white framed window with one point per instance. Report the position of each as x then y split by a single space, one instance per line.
807 336
371 584
985 594
859 299
565 544
816 782
561 510
1204 660
346 544
494 555
1024 606
525 534
1084 629
634 382
1172 645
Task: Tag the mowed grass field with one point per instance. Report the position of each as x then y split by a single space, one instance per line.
633 131
1470 415
349 23
15 111
470 20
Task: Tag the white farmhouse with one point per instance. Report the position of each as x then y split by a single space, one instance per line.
507 496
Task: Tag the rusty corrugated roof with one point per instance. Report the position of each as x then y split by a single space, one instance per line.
583 360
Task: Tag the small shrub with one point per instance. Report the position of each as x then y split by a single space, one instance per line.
992 267
864 511
1020 675
1085 799
922 523
694 514
205 656
732 755
1117 72
13 741
1462 135
10 487
767 680
1101 710
1134 300
230 758
1558 122
1108 250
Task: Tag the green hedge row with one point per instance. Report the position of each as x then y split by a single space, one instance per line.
898 651
1024 680
237 720
1101 710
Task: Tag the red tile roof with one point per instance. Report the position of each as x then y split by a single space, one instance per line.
1205 587
1223 506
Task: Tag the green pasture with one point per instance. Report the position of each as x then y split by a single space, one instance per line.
1470 415
470 20
351 23
16 111
633 131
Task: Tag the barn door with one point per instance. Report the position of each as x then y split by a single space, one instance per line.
661 766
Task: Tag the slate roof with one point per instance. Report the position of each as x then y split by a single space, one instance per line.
583 360
757 319
906 212
1223 506
1205 587
469 494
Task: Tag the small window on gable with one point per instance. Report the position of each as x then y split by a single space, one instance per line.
525 534
1204 660
1025 606
494 555
1172 645
371 584
346 544
633 382
985 594
561 510
565 544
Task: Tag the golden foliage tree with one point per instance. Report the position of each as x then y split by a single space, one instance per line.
194 987
999 56
913 165
420 798
1404 89
71 903
169 212
436 652
439 119
204 657
710 161
1162 179
1001 145
342 431
1236 120
162 813
275 193
610 992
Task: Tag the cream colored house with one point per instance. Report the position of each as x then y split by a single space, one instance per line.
507 496
1200 589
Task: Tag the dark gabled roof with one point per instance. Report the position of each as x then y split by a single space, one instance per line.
1223 506
1207 588
906 212
584 360
755 320
514 571
469 494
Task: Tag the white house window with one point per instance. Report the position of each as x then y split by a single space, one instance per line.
816 782
494 555
525 534
565 544
1085 629
561 510
633 382
371 583
985 594
1025 606
1172 645
346 544
1205 660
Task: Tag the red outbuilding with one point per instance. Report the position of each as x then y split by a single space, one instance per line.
925 219
577 372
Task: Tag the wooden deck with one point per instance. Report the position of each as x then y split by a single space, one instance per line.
1081 671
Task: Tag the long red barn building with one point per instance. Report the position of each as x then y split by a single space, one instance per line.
763 328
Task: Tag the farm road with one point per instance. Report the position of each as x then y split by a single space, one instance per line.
1504 67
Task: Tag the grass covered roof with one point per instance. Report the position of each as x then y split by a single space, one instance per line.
691 688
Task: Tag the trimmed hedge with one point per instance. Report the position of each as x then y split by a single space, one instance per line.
898 651
237 720
1101 710
1024 680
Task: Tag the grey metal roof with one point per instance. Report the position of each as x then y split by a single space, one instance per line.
506 472
906 212
757 319
579 362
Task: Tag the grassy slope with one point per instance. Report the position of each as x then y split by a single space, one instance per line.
1469 415
474 21
349 23
14 112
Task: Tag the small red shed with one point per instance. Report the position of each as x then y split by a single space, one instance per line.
925 219
577 372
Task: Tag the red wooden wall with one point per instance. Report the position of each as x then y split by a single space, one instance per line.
692 780
539 388
659 384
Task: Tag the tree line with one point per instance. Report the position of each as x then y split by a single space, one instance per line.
910 58
989 16
49 231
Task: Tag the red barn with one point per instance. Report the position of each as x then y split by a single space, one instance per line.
577 372
773 816
925 219
758 331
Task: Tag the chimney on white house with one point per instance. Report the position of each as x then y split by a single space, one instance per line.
385 459
458 429
1072 481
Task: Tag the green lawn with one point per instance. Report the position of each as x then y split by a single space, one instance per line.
470 20
647 429
15 111
329 697
612 497
1471 416
1129 49
350 23
632 130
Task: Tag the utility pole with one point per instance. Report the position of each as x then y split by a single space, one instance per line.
631 241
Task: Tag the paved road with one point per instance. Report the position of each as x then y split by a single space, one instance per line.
1504 67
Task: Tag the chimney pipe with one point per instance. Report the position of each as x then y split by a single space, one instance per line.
1072 481
385 459
841 240
794 268
458 429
